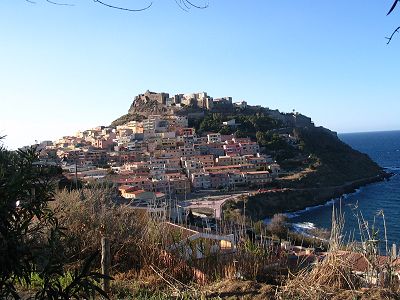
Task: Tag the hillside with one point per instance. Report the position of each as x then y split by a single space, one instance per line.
205 153
290 138
337 164
146 106
316 164
330 169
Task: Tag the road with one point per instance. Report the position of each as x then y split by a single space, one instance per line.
212 202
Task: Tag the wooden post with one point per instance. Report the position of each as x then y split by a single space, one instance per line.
76 174
105 262
394 251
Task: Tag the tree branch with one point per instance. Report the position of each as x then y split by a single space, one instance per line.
123 8
398 28
180 6
185 5
58 3
391 36
201 7
393 7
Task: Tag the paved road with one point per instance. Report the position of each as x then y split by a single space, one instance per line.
212 202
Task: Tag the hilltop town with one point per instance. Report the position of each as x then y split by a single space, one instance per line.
165 153
188 145
178 185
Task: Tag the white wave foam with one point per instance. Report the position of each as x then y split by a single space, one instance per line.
292 215
393 168
304 226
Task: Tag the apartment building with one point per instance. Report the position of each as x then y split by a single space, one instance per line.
200 180
213 138
257 177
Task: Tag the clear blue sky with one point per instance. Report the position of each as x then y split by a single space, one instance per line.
64 69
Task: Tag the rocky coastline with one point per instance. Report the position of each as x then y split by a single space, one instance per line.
265 205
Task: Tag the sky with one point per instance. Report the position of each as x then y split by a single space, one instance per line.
70 68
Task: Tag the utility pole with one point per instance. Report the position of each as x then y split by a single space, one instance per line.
185 191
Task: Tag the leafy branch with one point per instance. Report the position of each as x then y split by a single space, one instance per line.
398 28
183 4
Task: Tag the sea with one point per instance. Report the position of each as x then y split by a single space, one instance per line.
372 201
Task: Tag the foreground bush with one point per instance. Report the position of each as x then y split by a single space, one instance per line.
31 238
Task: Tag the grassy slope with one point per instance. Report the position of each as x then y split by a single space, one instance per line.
339 163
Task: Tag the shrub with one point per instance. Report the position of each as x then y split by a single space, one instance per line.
278 226
31 239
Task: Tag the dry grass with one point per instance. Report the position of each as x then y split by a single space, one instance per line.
324 280
142 257
334 277
240 289
140 244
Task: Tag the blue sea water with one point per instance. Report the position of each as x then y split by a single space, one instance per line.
383 148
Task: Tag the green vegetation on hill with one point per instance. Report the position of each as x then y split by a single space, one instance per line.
127 118
248 124
324 168
338 163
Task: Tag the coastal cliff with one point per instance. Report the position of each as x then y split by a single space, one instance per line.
334 169
264 205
